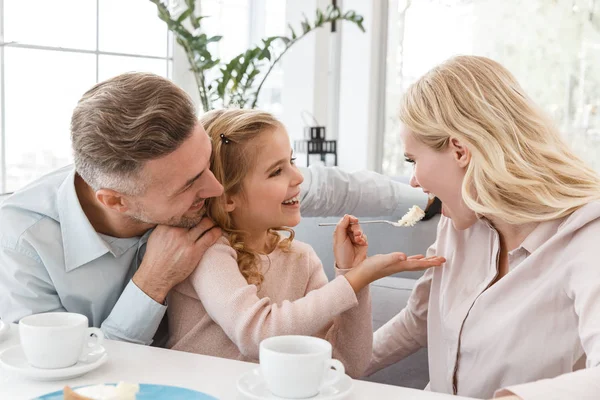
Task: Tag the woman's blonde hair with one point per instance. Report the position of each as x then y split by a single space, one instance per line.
234 134
521 170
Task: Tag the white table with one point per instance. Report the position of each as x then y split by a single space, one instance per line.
141 364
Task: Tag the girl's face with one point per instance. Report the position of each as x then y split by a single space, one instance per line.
271 190
440 173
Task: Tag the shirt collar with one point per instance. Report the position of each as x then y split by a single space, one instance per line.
81 243
541 234
118 246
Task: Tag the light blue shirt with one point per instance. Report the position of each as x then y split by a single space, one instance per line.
52 259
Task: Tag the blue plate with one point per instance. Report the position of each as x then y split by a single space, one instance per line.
148 392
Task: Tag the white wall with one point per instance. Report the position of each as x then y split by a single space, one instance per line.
310 74
304 71
182 75
353 114
360 105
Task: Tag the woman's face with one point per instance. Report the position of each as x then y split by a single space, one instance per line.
440 173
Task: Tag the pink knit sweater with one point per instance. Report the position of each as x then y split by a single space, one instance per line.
216 312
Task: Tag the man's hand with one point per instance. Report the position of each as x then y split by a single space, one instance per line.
171 256
349 243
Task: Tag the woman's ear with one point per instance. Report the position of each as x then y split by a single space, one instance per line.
230 203
462 155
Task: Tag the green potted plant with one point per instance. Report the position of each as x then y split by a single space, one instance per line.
238 81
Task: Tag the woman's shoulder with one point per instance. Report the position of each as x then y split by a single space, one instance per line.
581 229
584 216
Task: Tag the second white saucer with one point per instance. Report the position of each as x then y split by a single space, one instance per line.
252 385
13 359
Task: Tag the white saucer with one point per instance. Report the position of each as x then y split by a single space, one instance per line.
252 385
4 329
13 359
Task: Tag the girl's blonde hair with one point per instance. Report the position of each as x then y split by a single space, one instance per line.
234 134
521 170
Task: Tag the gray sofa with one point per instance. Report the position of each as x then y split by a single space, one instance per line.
389 294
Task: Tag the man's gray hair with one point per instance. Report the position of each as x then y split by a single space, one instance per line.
123 122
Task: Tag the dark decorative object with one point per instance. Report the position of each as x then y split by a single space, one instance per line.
315 143
434 208
224 139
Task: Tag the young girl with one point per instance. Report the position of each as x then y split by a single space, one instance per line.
253 283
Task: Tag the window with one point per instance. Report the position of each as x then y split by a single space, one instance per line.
243 23
553 49
53 52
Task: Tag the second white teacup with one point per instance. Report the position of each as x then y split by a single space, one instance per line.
58 340
296 367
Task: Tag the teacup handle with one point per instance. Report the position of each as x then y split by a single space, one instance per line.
91 343
340 371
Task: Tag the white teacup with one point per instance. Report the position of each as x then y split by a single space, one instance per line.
58 340
296 367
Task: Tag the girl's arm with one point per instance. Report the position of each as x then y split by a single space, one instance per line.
247 319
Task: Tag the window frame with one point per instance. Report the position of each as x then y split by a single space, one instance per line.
177 65
168 59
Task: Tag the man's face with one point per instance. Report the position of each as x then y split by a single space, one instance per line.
177 185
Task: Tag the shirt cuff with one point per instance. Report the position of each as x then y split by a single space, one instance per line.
527 391
135 318
340 271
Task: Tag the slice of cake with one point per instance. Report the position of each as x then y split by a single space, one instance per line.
414 215
121 391
69 394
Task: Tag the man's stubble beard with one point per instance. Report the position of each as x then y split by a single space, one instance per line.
184 221
189 222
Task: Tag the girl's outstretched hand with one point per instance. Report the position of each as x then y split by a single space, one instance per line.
349 243
382 265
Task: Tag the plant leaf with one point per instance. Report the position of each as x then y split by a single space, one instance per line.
305 25
214 39
293 32
319 20
184 15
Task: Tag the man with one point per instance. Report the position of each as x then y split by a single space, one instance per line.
110 237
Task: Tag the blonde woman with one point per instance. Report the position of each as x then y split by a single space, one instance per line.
515 311
255 283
